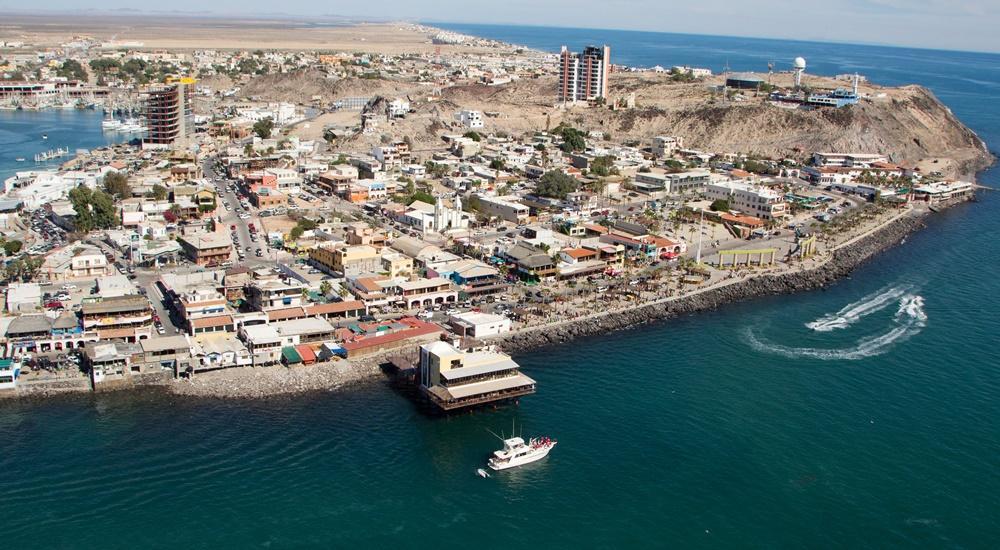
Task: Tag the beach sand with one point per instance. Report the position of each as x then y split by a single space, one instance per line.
189 33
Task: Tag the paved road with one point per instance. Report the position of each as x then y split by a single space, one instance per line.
231 218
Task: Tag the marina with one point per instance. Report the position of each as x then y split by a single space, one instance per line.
51 154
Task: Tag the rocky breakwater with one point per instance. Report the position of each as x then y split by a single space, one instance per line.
262 382
843 261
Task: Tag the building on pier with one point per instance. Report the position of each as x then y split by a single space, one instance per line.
453 379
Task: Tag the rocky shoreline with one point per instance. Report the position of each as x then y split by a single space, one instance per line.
843 262
273 382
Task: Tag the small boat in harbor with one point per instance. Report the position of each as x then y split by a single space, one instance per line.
19 159
45 136
516 452
111 124
482 473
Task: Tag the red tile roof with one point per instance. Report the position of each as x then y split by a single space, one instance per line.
218 321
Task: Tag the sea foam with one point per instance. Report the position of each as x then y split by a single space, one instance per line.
854 312
909 319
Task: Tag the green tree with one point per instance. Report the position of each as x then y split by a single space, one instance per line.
158 192
497 164
263 128
422 196
103 65
325 287
12 247
116 183
556 184
94 209
720 205
603 166
573 139
296 232
473 135
23 269
72 69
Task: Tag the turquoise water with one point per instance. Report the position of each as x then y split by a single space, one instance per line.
21 136
736 428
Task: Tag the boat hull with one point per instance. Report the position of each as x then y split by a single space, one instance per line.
521 461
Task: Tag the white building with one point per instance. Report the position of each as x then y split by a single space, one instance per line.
479 325
847 160
388 156
666 146
584 76
470 119
748 199
399 108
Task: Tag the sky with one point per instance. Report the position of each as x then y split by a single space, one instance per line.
948 24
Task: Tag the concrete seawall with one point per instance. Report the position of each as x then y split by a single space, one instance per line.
843 261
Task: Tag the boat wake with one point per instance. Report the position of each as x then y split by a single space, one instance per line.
909 319
852 313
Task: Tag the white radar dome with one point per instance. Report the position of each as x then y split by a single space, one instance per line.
800 63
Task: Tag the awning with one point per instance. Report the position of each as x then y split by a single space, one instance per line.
306 353
290 356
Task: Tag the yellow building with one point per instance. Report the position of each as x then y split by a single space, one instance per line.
346 260
396 264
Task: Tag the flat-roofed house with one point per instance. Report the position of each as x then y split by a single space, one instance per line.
264 344
207 249
479 325
427 292
171 353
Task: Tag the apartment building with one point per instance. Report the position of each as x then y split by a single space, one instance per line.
126 317
748 199
666 146
584 76
274 293
348 260
204 310
169 114
206 249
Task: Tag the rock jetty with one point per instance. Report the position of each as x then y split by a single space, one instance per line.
844 260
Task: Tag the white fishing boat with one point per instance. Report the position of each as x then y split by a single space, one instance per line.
19 159
111 124
516 452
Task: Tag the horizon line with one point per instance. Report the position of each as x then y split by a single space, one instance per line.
358 19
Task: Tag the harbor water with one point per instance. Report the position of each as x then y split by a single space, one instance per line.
21 137
863 416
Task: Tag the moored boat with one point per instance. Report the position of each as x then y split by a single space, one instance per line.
516 452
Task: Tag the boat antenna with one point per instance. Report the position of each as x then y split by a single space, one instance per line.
494 435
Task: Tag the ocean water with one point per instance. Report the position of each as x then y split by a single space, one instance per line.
863 416
21 136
